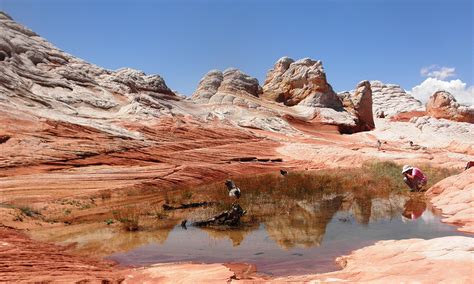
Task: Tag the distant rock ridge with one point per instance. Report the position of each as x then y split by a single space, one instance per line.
300 82
38 78
442 104
292 89
391 99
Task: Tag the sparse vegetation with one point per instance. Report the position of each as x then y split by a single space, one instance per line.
374 179
129 217
270 194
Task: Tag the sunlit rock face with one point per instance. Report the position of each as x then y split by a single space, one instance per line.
459 132
229 87
360 105
291 89
366 210
39 79
391 99
300 82
442 104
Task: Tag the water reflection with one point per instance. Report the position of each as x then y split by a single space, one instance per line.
236 236
305 224
102 240
280 236
414 208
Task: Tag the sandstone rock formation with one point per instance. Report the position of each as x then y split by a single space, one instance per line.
71 130
462 132
360 104
39 79
455 197
231 87
443 105
396 261
300 82
392 99
308 94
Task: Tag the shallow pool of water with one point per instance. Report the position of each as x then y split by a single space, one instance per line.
306 237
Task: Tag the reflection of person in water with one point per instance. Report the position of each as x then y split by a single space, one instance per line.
414 208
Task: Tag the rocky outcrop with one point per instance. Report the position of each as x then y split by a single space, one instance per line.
38 78
443 105
397 261
455 197
391 99
231 87
360 104
300 82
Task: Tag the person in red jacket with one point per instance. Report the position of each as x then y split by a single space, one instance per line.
414 178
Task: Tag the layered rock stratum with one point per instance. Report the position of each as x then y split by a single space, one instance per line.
70 130
228 87
391 99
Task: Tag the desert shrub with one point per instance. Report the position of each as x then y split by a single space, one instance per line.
129 218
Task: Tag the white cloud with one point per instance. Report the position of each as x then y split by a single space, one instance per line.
464 94
435 71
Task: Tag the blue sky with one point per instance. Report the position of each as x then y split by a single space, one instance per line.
181 40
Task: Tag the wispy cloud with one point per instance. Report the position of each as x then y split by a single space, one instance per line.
438 72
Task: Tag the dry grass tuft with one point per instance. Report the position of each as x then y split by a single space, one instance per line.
129 217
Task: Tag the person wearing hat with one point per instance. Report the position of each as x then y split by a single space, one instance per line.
414 177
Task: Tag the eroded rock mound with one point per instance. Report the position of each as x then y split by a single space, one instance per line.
38 78
300 82
391 99
360 104
442 104
229 87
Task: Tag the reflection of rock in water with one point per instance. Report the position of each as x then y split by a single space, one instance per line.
367 209
363 210
305 225
94 238
387 207
235 235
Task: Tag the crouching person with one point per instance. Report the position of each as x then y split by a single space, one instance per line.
414 178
